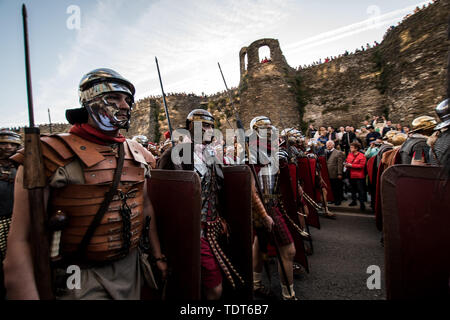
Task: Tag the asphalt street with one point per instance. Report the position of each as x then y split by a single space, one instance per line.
343 250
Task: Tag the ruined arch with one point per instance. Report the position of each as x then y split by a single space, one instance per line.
243 60
264 52
254 61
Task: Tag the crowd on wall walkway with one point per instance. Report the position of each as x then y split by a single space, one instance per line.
367 46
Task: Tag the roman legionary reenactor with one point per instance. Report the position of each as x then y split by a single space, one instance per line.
415 149
214 262
96 203
323 189
440 144
9 144
289 138
389 155
143 141
263 160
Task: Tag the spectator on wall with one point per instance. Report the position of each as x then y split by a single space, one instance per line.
331 134
311 131
387 127
322 140
339 136
347 139
362 136
406 129
372 135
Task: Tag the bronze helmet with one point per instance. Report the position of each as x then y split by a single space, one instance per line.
94 84
103 80
201 115
141 139
10 137
261 123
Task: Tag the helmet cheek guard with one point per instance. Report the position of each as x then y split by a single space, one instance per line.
105 114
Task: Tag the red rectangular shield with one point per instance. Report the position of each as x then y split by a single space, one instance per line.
176 199
326 178
291 210
304 173
238 215
416 225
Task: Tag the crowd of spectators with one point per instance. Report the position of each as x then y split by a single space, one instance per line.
347 150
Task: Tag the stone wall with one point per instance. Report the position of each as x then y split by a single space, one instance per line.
403 78
267 89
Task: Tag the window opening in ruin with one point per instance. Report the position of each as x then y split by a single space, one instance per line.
245 62
264 54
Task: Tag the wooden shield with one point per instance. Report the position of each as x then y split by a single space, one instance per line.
305 175
238 214
326 178
176 199
291 209
416 227
312 170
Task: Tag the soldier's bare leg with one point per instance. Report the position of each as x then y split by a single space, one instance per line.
213 293
287 257
257 257
323 194
258 265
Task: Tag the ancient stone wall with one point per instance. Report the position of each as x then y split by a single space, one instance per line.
402 78
266 88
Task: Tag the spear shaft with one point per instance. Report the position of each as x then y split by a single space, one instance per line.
165 103
35 181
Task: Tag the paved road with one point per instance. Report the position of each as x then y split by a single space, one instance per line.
343 250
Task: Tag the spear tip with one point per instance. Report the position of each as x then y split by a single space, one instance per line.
24 10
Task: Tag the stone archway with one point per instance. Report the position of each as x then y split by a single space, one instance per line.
243 60
264 54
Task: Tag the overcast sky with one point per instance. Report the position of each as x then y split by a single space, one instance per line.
188 37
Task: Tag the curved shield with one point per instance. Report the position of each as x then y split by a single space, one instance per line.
294 179
178 225
304 174
416 224
326 178
290 206
239 218
312 168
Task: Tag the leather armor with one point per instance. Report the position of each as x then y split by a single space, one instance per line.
117 233
407 149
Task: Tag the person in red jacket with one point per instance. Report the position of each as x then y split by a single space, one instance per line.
355 162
